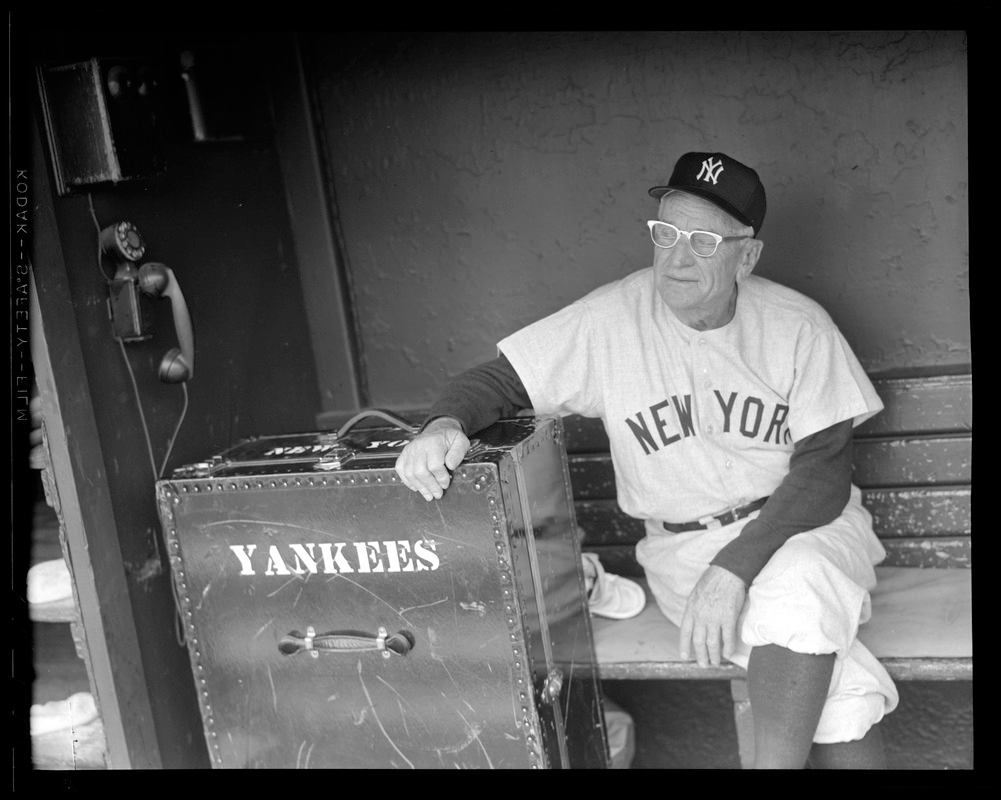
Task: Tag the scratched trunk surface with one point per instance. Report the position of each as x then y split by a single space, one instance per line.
286 572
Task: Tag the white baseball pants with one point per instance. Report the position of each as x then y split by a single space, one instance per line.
811 598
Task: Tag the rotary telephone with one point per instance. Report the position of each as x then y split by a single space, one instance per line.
130 292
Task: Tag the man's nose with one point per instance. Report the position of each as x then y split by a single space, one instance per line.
680 255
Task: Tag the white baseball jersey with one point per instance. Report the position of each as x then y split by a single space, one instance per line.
698 421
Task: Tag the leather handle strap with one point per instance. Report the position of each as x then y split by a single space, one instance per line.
388 416
351 641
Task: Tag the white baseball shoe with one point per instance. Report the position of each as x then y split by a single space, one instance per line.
608 595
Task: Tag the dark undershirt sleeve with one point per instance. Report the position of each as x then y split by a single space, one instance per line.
482 395
813 493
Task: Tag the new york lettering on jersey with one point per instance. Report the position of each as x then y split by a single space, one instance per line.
670 420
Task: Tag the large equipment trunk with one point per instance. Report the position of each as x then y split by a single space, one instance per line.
334 618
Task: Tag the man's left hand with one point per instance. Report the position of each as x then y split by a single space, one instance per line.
710 618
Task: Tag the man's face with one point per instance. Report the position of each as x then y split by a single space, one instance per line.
700 290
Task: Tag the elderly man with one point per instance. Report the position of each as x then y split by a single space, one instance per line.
729 403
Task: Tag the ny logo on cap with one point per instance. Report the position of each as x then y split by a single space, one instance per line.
710 170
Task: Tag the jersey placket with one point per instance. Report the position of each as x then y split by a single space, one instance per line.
705 369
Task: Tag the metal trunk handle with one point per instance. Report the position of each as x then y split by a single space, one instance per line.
349 641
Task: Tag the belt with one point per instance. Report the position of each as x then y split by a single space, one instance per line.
719 521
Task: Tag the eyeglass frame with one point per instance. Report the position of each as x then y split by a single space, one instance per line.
688 234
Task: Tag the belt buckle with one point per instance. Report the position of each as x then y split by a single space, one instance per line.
734 514
731 515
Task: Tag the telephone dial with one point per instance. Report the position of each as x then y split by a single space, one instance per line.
130 292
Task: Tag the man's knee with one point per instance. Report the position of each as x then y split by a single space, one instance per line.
818 561
803 600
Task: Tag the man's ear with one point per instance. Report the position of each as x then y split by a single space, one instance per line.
749 258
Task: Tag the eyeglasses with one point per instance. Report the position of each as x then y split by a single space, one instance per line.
703 243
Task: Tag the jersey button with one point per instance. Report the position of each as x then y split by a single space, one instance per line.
710 429
708 384
729 464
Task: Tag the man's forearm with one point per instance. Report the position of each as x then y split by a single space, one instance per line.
482 395
813 493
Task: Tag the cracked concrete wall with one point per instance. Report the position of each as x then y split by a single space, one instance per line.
484 180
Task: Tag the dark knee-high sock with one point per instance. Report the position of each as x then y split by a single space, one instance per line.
864 753
787 691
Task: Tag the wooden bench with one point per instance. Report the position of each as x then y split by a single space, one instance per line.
913 464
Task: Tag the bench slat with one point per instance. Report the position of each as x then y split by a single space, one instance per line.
896 513
937 403
921 613
927 511
919 461
929 669
879 463
955 553
900 669
944 553
921 626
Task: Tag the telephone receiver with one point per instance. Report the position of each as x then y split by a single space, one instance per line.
178 364
122 243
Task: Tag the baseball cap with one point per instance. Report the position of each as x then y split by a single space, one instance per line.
723 181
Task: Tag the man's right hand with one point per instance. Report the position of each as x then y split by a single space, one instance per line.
426 463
